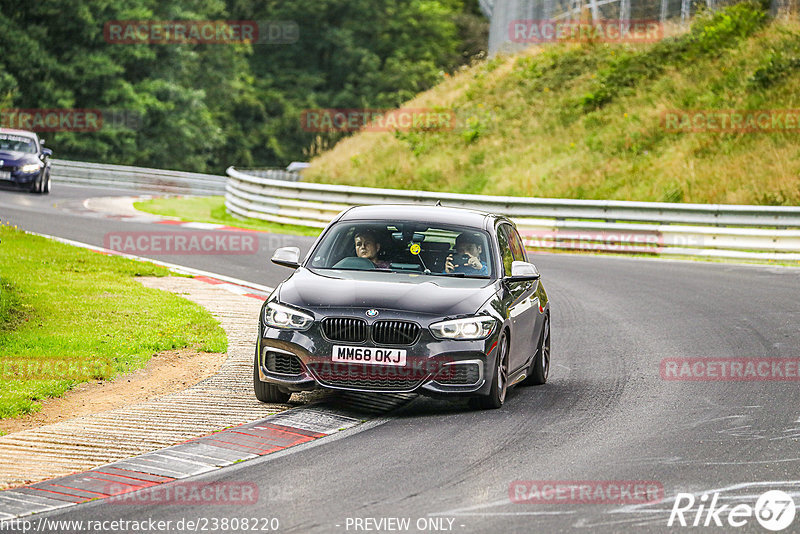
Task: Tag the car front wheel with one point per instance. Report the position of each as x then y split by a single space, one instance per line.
266 392
497 393
36 185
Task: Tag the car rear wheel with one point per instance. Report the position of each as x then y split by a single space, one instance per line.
540 366
497 393
266 392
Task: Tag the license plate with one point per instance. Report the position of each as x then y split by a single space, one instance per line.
369 355
5 175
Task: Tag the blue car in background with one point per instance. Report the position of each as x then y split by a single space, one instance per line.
24 162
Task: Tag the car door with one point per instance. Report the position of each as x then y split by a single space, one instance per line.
532 318
520 299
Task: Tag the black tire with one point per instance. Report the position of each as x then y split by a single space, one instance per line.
497 393
36 186
266 392
540 366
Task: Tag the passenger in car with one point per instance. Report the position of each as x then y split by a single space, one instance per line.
467 259
367 246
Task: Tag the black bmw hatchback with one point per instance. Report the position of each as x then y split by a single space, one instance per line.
406 298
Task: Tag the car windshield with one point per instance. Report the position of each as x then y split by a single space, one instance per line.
17 143
405 247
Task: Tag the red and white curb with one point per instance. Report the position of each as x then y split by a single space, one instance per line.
128 481
234 285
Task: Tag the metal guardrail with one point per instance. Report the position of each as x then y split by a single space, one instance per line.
726 231
730 231
137 178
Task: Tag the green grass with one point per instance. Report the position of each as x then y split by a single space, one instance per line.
585 121
212 210
66 309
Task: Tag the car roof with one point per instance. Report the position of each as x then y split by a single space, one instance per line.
25 133
417 212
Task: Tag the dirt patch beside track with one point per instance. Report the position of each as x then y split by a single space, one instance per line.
165 373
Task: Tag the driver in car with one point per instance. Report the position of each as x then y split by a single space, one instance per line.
467 259
367 246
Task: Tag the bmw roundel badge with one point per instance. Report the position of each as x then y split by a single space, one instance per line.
372 313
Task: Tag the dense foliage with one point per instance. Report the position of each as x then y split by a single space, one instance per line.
203 107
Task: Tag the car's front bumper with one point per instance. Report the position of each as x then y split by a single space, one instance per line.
18 178
298 361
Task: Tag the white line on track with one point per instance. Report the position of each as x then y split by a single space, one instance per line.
179 269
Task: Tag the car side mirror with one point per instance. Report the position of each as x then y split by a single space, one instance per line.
522 271
287 257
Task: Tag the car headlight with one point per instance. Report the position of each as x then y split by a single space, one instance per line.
280 316
479 327
31 167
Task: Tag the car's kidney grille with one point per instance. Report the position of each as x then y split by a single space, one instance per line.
459 375
286 364
395 332
345 329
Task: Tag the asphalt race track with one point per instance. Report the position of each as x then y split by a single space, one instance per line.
606 414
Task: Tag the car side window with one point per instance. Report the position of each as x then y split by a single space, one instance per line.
505 247
517 246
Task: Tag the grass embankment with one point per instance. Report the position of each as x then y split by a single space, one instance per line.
69 315
584 121
212 210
